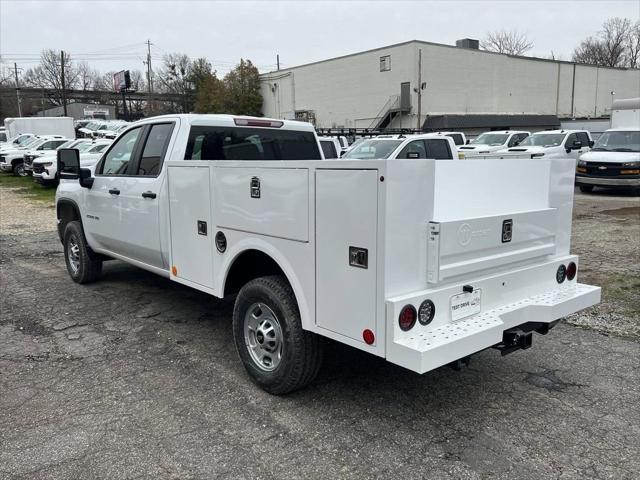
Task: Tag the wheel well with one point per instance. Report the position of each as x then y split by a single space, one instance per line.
15 161
248 265
66 212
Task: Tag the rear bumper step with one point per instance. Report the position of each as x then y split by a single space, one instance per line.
507 328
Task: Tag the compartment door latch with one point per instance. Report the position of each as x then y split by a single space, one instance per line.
255 187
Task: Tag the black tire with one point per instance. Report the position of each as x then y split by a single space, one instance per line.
301 351
586 188
87 265
18 170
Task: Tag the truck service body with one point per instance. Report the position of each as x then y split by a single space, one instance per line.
384 255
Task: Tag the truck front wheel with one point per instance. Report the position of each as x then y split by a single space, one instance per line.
82 263
18 170
277 353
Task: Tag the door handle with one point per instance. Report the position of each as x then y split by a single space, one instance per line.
114 191
148 194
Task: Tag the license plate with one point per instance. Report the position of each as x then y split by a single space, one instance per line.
465 304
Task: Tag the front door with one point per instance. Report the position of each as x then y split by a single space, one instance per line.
122 206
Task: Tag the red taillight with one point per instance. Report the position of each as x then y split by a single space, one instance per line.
250 122
368 337
407 317
572 269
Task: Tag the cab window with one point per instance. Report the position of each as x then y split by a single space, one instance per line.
584 138
414 149
570 139
117 159
438 149
154 149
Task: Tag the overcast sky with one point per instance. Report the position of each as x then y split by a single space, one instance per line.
111 34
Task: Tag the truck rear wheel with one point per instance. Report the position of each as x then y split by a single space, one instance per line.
277 353
82 263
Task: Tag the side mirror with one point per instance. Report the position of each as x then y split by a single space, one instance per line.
591 143
86 180
68 163
468 141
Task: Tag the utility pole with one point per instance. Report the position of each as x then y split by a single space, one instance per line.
18 98
64 94
419 88
278 61
149 75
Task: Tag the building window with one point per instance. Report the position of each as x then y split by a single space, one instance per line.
385 63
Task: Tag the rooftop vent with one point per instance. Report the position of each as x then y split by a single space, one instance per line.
468 43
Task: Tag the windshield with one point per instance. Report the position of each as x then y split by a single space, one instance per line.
30 142
628 141
97 148
491 139
23 140
84 146
373 149
543 140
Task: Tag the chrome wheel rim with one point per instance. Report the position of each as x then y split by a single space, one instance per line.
263 336
73 254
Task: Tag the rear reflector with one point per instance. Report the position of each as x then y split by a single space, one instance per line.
407 317
250 122
572 269
368 337
561 274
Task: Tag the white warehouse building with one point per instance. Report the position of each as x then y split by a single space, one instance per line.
463 88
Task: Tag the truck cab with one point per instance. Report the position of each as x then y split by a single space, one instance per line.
553 144
429 145
492 141
382 254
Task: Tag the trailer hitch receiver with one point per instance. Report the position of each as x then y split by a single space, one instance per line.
514 339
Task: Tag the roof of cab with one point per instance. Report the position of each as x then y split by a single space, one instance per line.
229 121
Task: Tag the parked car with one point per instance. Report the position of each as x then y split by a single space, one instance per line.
331 147
13 160
423 263
20 141
553 144
493 141
37 151
428 145
112 130
614 161
43 167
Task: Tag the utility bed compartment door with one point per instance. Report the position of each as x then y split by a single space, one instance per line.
266 201
190 224
459 247
346 250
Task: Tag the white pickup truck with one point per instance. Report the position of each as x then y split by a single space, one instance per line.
493 141
428 145
419 261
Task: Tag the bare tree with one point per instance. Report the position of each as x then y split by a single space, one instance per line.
590 51
48 74
511 42
86 76
632 56
616 45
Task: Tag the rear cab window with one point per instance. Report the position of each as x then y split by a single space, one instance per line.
328 149
250 143
438 149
